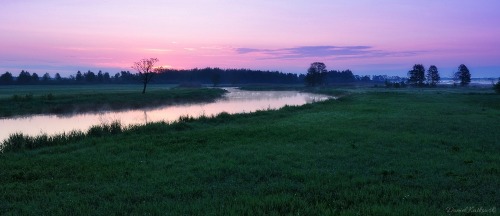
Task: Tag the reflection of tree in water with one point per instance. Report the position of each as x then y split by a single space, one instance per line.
145 117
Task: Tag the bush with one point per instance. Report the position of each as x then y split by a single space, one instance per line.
20 142
389 84
48 96
16 97
26 97
496 87
15 142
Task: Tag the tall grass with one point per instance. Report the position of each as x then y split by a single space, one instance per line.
20 142
105 129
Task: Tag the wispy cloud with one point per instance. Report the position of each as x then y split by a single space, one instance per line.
212 47
337 52
158 50
252 50
86 48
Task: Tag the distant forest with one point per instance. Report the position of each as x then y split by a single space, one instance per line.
212 76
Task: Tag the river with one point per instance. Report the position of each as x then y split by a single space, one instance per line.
235 101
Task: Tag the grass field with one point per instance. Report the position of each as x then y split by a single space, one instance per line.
372 152
6 91
24 100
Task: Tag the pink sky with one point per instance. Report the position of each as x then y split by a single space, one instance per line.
368 37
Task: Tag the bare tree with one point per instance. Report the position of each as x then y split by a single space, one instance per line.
146 70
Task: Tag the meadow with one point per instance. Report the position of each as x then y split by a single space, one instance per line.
374 151
67 99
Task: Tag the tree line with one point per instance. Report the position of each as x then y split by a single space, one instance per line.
418 76
27 78
212 76
317 75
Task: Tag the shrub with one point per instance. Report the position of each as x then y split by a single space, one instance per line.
16 97
19 141
180 126
185 118
389 84
48 96
28 96
15 142
496 87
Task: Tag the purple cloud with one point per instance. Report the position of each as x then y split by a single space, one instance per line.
339 52
248 50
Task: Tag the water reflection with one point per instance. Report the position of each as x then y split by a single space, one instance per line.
235 101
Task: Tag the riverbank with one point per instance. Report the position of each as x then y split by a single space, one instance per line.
370 153
26 100
234 101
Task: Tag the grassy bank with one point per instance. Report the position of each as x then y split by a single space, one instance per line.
24 100
370 153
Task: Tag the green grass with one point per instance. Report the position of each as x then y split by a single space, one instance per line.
372 152
6 91
24 100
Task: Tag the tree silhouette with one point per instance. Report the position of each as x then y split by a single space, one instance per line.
58 77
316 74
24 77
214 76
496 86
216 79
6 78
433 75
100 77
416 76
233 76
90 76
79 77
35 78
46 78
146 70
463 74
335 76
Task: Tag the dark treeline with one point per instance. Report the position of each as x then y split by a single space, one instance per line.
26 78
212 76
418 76
218 76
318 75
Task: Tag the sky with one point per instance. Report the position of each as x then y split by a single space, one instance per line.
385 37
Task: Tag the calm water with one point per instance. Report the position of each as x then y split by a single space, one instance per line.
236 101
